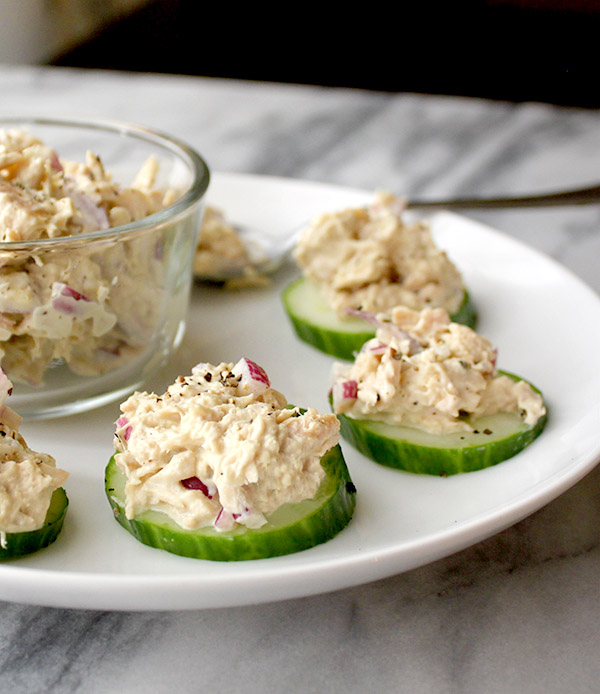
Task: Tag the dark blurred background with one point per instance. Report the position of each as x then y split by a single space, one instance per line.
515 50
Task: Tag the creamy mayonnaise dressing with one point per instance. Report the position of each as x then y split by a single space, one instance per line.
220 447
27 478
422 370
369 258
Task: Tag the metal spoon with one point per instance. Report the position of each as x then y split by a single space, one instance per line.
268 252
581 196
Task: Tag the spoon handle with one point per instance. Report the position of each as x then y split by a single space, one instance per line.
583 196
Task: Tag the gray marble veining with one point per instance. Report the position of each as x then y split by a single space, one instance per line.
518 612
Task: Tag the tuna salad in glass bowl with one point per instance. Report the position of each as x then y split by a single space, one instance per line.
98 226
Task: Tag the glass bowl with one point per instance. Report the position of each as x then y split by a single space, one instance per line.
85 319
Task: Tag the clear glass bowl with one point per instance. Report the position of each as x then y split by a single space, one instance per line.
86 319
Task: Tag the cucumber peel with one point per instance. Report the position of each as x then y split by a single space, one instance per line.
318 325
496 438
21 543
291 528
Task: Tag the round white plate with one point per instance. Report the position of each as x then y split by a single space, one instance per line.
546 324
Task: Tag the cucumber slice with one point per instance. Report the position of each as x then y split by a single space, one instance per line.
496 438
318 325
291 528
18 544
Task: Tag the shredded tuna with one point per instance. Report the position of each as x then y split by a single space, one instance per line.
369 259
27 478
220 447
93 312
443 386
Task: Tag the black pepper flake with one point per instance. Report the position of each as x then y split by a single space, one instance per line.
487 432
463 363
350 488
463 413
476 431
208 376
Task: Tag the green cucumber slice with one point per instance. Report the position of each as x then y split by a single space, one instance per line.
318 325
19 544
498 437
291 528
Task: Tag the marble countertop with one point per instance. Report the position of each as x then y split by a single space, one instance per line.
518 612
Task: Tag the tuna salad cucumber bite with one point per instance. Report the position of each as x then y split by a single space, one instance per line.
220 467
33 503
368 259
424 395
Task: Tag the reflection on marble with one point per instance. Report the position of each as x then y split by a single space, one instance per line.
518 612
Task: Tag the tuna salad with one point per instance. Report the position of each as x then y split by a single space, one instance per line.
369 258
27 478
221 254
220 448
422 370
92 309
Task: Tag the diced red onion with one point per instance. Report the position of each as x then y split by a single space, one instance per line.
413 344
95 215
344 393
378 349
243 514
73 293
67 300
122 422
224 520
365 315
55 162
253 376
197 484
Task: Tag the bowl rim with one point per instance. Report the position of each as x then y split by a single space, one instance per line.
192 196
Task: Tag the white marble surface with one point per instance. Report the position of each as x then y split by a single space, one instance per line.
519 612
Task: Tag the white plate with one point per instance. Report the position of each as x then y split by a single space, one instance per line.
402 520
